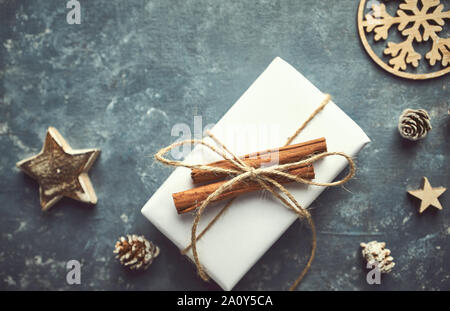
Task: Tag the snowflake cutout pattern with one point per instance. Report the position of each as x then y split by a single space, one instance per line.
427 22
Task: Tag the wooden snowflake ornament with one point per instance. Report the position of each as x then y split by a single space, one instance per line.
417 21
61 171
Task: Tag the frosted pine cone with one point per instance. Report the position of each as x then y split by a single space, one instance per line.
375 252
136 252
414 124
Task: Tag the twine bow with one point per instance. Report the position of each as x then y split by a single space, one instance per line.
260 175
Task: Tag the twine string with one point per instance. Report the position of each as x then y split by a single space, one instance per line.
243 172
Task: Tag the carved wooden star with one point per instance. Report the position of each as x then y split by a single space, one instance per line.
428 195
61 171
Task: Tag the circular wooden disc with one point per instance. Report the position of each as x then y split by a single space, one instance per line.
381 63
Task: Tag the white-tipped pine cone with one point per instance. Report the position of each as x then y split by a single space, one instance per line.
414 124
376 252
136 252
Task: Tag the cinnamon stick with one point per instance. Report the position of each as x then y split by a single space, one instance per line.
189 200
286 154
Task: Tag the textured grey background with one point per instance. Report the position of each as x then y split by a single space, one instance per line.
132 69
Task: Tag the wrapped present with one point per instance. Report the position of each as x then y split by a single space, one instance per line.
269 112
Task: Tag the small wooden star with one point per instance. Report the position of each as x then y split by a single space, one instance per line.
61 171
428 195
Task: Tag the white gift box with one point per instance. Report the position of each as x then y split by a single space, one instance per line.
276 104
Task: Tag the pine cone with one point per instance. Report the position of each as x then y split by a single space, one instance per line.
414 124
375 252
136 252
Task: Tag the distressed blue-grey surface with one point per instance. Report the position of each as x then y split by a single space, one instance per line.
132 69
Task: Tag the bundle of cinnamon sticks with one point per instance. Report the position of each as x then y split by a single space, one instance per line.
189 200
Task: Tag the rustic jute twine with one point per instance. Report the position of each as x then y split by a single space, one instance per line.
260 175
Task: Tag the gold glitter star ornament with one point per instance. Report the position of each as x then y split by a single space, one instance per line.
61 171
428 195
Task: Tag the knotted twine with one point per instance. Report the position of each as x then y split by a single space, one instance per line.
261 175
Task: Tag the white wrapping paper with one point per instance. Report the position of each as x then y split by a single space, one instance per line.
278 102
